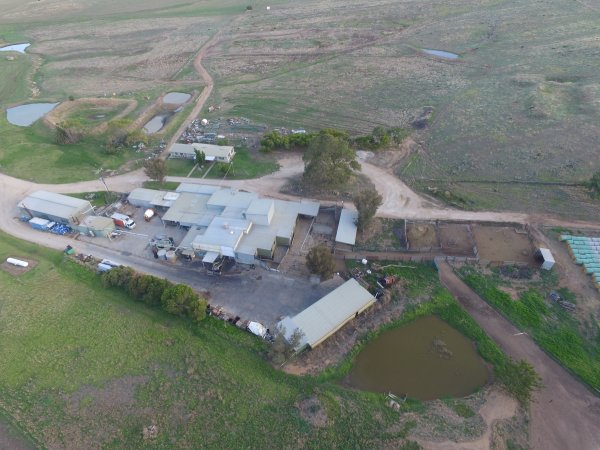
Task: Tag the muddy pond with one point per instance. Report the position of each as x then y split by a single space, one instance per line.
426 359
19 48
157 122
25 115
441 53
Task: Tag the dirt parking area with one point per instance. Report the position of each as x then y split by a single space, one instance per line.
421 235
503 244
456 239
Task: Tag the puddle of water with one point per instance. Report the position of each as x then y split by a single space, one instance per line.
20 48
441 53
176 98
156 123
25 115
426 359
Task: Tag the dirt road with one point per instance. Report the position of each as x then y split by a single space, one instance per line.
564 414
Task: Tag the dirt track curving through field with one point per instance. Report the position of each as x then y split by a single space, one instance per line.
564 414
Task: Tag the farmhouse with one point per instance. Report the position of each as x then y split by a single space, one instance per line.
55 207
219 153
322 319
233 223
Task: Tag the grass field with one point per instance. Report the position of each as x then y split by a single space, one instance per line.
82 366
30 153
520 103
13 74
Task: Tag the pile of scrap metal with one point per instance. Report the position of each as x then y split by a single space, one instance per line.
556 298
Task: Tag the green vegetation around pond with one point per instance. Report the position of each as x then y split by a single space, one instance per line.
425 296
553 328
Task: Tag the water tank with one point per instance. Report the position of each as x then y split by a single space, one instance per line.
17 262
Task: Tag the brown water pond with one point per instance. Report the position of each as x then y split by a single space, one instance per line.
426 359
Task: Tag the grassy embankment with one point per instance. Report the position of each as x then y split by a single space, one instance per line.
554 329
82 366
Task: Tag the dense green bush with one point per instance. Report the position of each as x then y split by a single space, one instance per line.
176 299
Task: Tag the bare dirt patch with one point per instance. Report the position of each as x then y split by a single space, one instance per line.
456 239
311 410
16 271
421 235
503 244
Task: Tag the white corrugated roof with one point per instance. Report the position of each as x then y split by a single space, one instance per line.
547 255
346 232
210 150
326 316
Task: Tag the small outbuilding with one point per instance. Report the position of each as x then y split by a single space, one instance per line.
546 258
96 226
322 319
347 229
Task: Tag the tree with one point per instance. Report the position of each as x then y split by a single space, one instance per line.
329 161
319 260
200 157
181 300
366 203
282 349
156 169
594 184
118 277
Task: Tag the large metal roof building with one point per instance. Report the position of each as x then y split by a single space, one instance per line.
55 207
320 320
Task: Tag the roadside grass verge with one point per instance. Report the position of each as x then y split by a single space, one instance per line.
97 198
85 365
166 186
552 328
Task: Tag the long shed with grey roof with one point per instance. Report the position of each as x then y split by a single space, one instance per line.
323 318
56 207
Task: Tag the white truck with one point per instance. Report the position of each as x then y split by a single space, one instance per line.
123 220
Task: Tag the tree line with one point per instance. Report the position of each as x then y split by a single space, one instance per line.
176 299
379 138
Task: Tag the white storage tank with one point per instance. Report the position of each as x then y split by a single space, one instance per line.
17 262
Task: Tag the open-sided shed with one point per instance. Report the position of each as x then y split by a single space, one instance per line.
323 318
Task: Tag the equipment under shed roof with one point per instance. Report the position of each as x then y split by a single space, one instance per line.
320 320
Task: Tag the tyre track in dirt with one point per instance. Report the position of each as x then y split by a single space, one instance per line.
564 413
